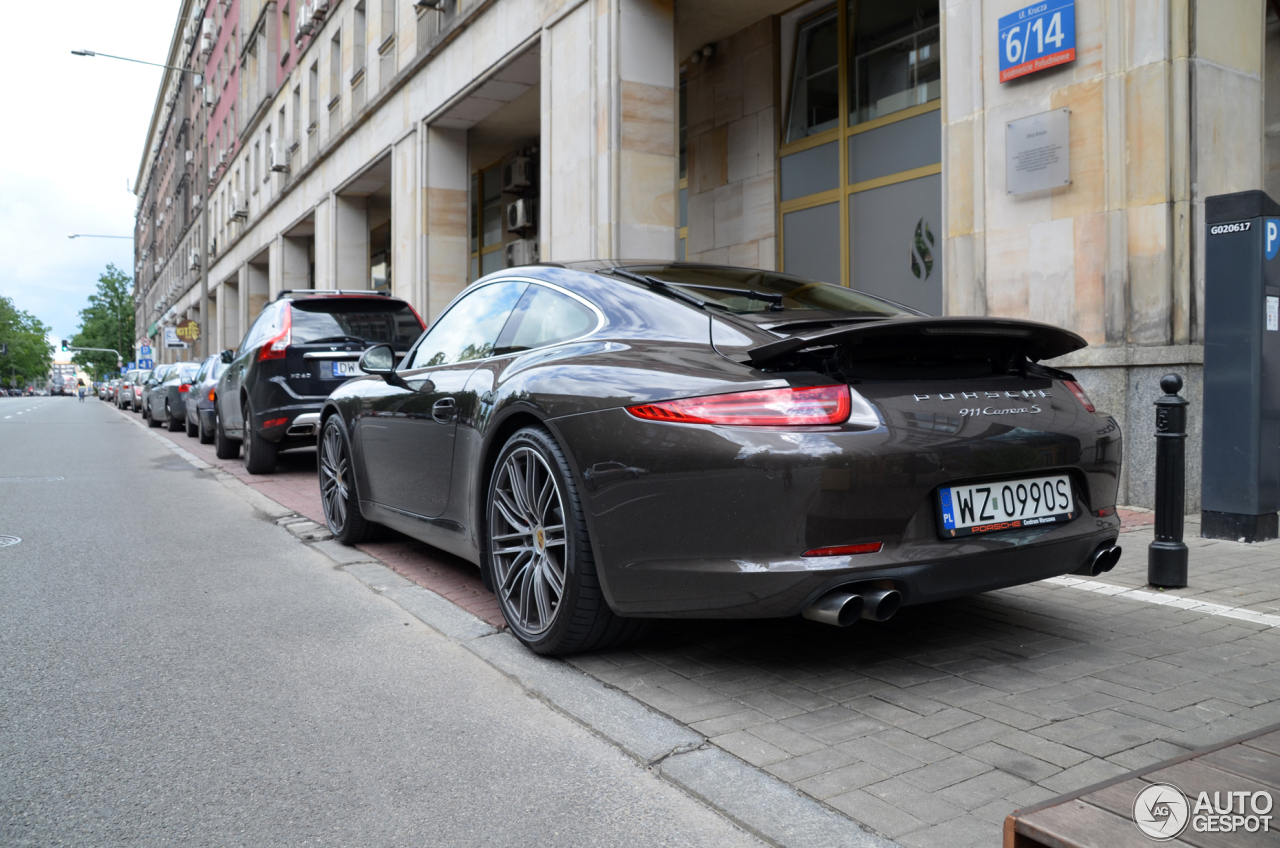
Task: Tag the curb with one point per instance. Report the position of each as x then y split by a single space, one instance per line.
759 803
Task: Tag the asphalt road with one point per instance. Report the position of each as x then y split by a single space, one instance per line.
175 669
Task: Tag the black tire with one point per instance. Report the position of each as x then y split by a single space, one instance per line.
150 416
581 619
259 454
338 494
206 437
173 424
193 430
223 447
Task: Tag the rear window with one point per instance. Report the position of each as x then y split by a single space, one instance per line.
187 370
367 319
728 289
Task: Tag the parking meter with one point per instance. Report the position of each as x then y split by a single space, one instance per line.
1240 482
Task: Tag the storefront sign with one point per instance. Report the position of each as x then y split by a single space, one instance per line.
171 339
1040 36
1039 152
188 331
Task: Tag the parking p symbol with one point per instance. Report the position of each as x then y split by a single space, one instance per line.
1273 237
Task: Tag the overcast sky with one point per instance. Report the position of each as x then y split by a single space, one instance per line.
74 133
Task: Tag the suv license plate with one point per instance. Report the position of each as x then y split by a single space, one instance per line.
346 369
1006 505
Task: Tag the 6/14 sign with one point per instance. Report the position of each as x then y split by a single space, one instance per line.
1038 37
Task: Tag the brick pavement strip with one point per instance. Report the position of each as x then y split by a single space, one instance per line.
978 705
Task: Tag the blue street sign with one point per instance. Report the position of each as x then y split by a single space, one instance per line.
1272 237
1035 38
145 363
128 366
144 351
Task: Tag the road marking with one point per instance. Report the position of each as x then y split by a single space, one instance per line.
1176 601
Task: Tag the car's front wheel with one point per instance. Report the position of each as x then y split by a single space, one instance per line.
223 447
540 555
150 415
337 486
259 454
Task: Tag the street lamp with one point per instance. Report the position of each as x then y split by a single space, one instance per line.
197 82
88 235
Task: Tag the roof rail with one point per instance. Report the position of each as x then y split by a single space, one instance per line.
332 292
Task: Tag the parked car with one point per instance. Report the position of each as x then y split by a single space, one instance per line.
302 345
200 406
165 398
679 440
125 395
113 385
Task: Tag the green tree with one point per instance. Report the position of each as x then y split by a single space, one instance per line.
29 354
106 322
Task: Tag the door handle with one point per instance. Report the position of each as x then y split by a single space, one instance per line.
444 409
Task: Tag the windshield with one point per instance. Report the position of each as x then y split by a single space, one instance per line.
733 288
367 319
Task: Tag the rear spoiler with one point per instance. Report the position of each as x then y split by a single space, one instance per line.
1038 341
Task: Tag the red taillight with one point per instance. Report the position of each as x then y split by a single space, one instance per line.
185 387
791 406
275 347
846 550
1075 389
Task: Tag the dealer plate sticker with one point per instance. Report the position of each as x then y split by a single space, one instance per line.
1006 505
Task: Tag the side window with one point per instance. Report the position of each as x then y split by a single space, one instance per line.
544 317
204 369
261 329
469 330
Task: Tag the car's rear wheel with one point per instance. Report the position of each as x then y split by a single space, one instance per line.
540 555
337 486
223 447
259 454
172 422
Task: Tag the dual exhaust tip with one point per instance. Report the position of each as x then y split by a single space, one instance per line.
842 607
1100 561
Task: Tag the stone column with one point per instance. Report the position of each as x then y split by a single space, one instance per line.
404 217
444 205
294 263
351 242
324 245
609 64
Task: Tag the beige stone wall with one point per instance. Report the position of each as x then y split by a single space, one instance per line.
732 138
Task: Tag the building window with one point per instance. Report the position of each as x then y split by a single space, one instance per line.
286 30
335 69
388 19
860 185
486 222
358 46
313 95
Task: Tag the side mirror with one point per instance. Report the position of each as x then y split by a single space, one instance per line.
226 356
379 359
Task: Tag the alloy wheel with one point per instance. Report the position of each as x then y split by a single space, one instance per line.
527 541
335 470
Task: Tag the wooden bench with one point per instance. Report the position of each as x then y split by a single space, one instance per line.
1101 815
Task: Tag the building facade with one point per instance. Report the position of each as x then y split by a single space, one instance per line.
413 147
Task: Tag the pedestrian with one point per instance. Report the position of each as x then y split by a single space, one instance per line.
81 392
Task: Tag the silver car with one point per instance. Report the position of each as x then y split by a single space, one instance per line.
125 394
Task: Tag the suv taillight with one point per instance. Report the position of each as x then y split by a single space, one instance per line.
275 347
185 387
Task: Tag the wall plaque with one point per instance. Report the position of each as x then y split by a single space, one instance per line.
1039 152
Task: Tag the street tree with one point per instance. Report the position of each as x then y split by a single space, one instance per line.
106 322
24 338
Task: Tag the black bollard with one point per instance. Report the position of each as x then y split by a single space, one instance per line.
1167 555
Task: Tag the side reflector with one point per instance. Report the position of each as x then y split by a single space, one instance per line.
791 406
1106 512
847 550
1075 389
274 422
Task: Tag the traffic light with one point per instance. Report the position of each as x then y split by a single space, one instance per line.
65 345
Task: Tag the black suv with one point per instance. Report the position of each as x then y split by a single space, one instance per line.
302 346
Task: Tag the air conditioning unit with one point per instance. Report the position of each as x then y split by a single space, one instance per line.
210 96
168 203
517 174
160 220
208 27
239 206
206 43
156 268
194 261
222 156
197 81
520 215
213 173
279 155
190 156
195 201
213 246
189 33
522 252
319 8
